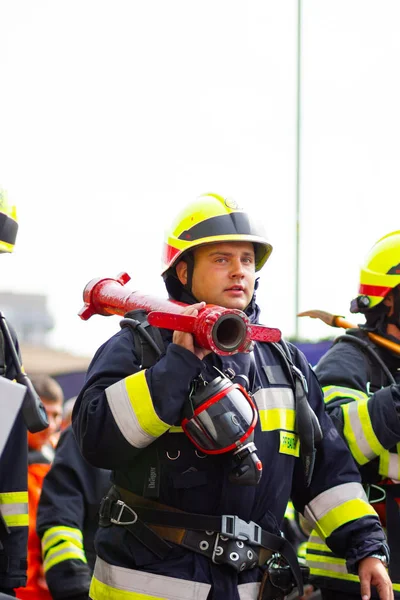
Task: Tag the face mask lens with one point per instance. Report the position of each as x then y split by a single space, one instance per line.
223 423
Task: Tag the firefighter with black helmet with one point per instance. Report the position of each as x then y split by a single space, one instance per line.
14 459
360 379
180 522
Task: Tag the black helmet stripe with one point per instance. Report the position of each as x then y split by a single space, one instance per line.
8 229
231 224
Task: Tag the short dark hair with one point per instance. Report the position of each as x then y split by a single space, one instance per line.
47 387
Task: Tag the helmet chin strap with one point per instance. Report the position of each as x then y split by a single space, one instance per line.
395 318
189 260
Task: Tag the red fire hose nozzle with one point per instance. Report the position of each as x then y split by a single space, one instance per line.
225 331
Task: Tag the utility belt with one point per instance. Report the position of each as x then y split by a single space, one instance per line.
226 539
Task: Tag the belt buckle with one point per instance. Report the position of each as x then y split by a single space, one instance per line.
237 529
123 506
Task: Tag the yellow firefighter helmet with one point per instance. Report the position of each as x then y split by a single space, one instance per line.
380 273
208 220
8 223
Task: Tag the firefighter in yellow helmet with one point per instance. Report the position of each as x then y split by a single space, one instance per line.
360 381
181 521
8 223
13 460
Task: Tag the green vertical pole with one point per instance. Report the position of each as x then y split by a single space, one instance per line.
298 108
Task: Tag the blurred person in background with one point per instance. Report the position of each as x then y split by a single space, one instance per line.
67 412
40 457
67 519
13 481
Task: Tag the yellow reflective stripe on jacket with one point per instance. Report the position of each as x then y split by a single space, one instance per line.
120 583
328 564
336 506
133 410
289 512
175 429
325 564
389 464
276 408
61 553
335 392
14 508
359 433
55 535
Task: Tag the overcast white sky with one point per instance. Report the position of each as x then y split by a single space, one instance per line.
113 114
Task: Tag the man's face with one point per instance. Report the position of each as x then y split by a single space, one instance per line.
224 274
391 328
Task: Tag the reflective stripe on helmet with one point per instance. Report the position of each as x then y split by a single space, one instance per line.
119 583
14 508
337 506
132 408
359 432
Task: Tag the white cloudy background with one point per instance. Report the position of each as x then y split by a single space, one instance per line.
113 114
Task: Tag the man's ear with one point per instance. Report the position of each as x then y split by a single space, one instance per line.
181 271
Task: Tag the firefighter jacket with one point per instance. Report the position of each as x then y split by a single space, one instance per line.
67 519
366 412
13 493
36 587
128 420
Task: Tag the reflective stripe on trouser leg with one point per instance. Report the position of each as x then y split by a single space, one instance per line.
118 583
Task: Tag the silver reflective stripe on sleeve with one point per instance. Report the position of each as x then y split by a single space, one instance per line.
14 508
54 535
389 464
119 583
336 507
132 407
359 432
335 392
331 498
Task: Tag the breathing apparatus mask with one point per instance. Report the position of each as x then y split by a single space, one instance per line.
220 418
